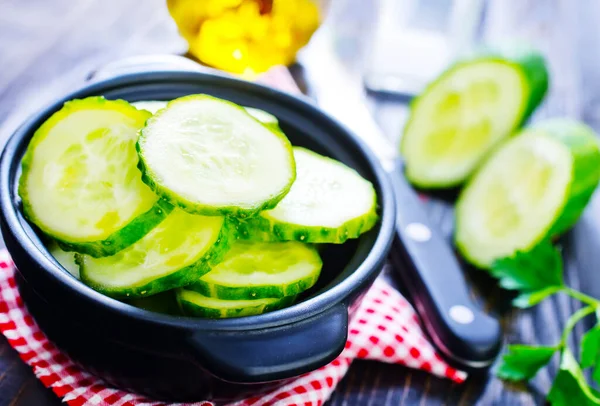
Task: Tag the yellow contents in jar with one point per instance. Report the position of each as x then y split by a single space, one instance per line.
245 36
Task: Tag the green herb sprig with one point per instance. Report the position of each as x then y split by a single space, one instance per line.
535 275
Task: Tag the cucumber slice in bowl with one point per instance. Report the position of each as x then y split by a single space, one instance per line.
176 252
80 183
257 270
534 186
328 203
153 106
467 111
197 305
210 157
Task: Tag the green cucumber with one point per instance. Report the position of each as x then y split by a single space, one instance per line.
535 186
209 156
328 203
257 270
65 259
467 111
80 183
175 253
197 305
153 106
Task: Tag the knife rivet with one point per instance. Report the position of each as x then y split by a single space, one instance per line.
418 232
461 314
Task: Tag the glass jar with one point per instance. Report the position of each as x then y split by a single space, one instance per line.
246 36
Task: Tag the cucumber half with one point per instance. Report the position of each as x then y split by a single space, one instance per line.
328 203
256 270
153 106
467 111
196 304
64 258
536 185
80 183
176 252
210 157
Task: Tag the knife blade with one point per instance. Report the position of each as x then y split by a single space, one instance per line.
425 262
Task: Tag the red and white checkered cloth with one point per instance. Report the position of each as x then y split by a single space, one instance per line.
385 328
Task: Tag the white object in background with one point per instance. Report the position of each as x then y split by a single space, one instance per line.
416 39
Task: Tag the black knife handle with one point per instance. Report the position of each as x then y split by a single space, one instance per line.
429 270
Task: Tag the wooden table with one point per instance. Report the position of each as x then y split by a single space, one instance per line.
51 46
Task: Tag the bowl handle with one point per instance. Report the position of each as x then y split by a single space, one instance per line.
274 353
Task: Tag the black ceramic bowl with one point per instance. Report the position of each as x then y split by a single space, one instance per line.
183 359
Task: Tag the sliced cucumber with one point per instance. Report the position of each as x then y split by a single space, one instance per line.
328 203
467 111
80 183
176 252
210 157
195 304
266 118
257 270
536 185
64 258
153 106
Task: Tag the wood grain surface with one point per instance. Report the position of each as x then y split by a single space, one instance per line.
51 46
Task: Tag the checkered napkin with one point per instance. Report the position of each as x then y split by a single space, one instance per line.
385 328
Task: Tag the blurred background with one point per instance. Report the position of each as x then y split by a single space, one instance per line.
48 47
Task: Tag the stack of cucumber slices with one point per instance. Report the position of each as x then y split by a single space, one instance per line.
197 202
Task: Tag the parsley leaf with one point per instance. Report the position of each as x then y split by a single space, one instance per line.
536 274
529 299
569 386
590 349
523 361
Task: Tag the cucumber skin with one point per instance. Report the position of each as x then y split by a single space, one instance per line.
534 71
253 292
586 169
120 239
584 178
176 279
193 310
196 208
265 118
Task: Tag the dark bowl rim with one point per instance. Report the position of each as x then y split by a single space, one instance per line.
300 311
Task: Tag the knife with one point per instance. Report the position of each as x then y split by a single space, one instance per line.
422 258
